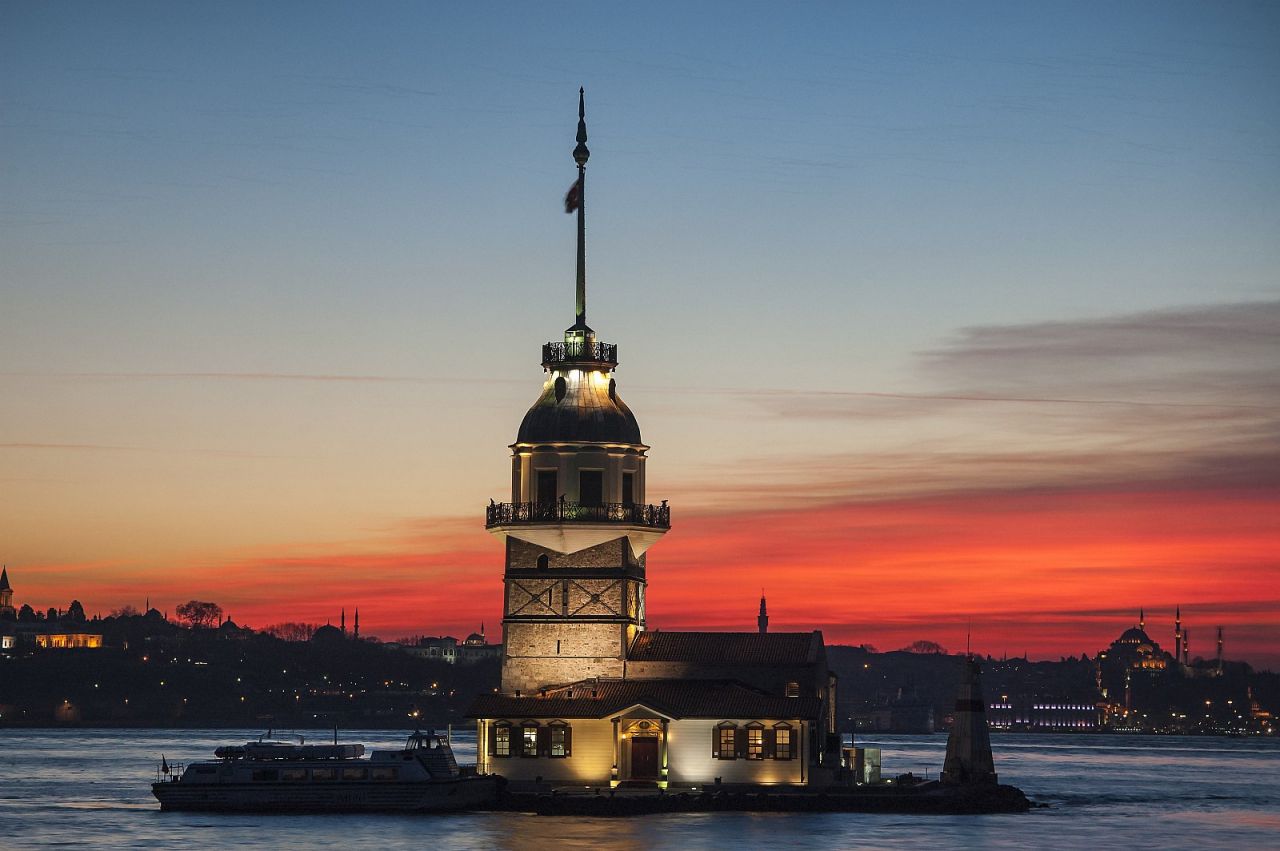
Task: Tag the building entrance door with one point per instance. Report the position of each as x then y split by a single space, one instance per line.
644 758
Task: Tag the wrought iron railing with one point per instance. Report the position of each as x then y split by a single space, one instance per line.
569 352
563 511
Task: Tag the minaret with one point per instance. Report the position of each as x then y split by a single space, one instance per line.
762 620
1177 637
1219 651
7 609
968 758
1142 620
577 527
6 592
343 623
356 634
1186 639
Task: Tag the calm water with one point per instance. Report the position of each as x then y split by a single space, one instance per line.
74 788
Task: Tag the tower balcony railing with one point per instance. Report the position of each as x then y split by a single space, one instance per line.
563 511
580 352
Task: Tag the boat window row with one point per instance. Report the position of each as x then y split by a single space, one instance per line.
326 774
753 741
531 740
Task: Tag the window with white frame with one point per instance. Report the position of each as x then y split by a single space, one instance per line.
755 743
502 741
559 740
726 743
782 744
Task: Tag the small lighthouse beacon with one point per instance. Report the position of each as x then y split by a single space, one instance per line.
578 525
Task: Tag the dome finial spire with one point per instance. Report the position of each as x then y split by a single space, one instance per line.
579 203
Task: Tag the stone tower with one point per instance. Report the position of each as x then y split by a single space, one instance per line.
578 525
762 619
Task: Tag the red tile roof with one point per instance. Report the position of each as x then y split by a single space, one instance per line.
727 648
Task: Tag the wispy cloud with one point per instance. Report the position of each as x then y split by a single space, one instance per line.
1189 396
73 447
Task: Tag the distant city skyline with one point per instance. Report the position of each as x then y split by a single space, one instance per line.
932 314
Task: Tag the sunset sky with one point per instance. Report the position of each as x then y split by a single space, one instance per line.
933 314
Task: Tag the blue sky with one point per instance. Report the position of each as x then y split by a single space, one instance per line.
202 204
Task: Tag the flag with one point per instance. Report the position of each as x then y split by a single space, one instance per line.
573 198
164 765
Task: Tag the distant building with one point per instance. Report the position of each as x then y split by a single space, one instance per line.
443 649
475 648
906 713
55 632
1043 715
449 650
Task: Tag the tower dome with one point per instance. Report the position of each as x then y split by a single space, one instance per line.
579 405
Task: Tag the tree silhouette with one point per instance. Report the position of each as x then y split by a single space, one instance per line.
292 631
198 613
75 612
925 647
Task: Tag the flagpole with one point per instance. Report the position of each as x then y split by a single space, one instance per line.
580 155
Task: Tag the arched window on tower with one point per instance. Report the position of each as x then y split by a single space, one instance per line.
543 562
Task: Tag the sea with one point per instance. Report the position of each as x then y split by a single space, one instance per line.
74 788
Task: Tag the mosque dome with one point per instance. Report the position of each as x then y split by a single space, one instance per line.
327 633
1133 635
579 405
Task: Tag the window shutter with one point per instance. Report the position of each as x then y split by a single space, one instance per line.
740 739
770 743
544 741
568 740
515 743
492 736
715 742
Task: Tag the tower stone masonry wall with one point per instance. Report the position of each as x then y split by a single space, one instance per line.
547 654
568 598
615 553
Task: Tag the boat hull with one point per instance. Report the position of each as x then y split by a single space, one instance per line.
409 797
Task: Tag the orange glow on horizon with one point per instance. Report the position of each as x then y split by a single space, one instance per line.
1043 572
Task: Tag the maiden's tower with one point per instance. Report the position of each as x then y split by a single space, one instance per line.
588 695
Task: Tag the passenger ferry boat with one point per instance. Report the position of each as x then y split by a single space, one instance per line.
283 777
